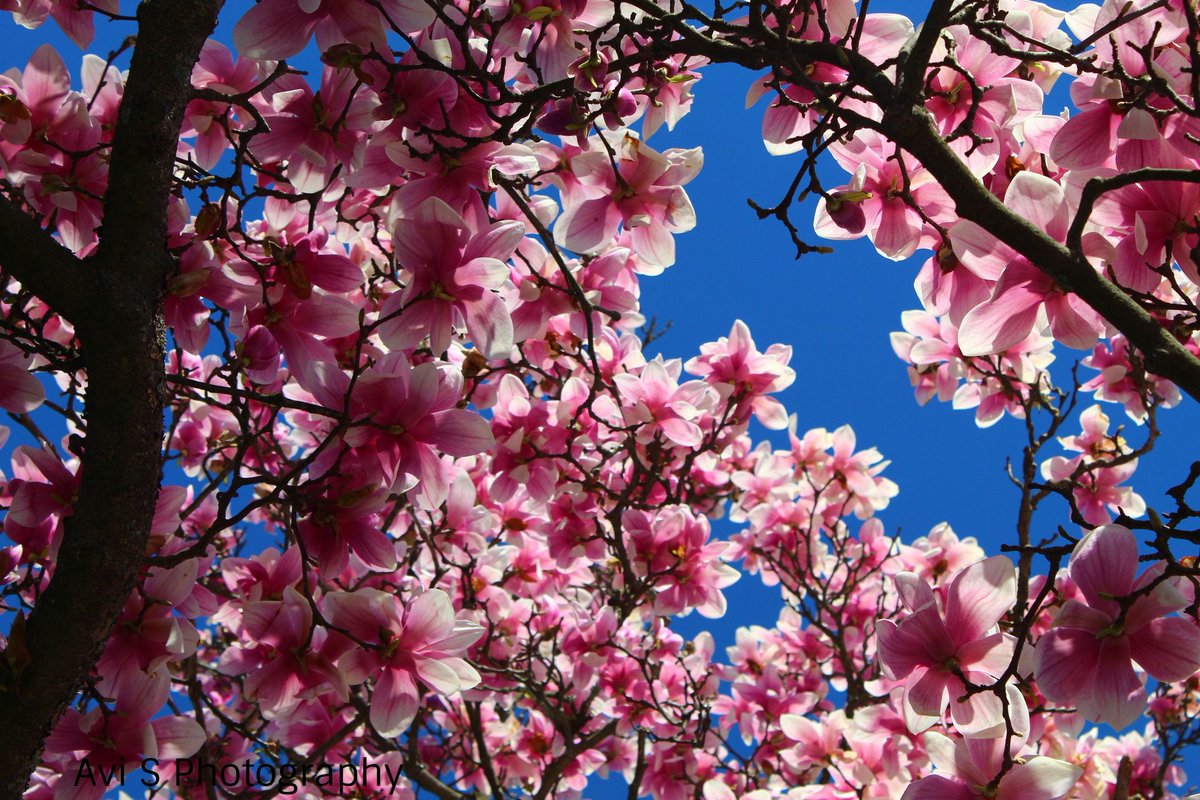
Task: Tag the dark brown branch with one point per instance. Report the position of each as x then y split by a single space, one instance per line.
910 126
552 774
913 129
915 57
42 265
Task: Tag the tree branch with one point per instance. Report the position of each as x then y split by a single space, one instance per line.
913 129
914 58
42 265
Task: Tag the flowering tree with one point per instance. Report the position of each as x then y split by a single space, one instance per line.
339 448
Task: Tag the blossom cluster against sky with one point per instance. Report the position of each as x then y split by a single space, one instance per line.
835 310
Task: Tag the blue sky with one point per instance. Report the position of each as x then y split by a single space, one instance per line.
835 310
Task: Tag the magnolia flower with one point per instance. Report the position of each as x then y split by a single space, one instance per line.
1086 659
968 768
936 653
1022 291
418 643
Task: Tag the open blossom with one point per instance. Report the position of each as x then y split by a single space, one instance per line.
1151 225
1086 659
110 739
655 400
855 472
1094 479
286 659
968 768
735 366
549 32
407 417
671 550
993 386
454 272
644 193
207 119
77 20
1108 129
42 492
1022 292
343 519
876 201
1120 381
940 553
276 29
421 643
933 653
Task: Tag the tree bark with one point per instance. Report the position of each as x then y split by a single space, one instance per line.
115 301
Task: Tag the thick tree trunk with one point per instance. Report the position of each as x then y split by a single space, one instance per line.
105 539
115 301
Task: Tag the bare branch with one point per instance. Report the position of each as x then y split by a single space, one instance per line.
42 265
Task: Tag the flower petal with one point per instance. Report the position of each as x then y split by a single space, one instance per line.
1104 563
393 703
1168 648
935 787
1039 778
978 597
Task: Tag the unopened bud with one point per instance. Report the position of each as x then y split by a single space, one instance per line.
208 220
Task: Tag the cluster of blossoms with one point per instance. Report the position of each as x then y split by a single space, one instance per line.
429 502
989 315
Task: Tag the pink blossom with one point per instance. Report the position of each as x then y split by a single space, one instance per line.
885 187
948 288
1094 476
940 554
856 475
554 26
286 660
1147 221
406 417
421 643
1121 382
1086 659
76 21
410 98
644 193
969 768
312 134
1022 290
276 29
20 390
656 402
1110 130
671 550
736 368
214 124
455 272
127 733
343 518
935 653
42 492
33 101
